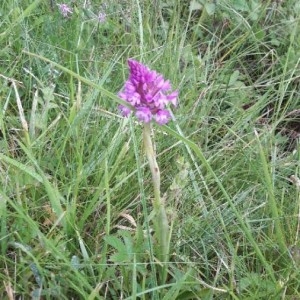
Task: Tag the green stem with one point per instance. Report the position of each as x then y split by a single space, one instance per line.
160 219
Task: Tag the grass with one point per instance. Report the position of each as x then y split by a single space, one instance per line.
75 188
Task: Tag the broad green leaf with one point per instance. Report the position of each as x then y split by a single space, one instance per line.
210 8
233 78
122 254
195 5
115 242
240 5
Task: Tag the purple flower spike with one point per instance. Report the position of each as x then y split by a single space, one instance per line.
65 9
149 93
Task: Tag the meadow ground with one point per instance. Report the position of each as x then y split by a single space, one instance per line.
76 216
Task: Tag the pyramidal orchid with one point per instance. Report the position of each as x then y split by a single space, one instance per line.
149 93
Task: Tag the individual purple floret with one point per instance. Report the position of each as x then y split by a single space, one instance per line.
65 9
149 93
144 114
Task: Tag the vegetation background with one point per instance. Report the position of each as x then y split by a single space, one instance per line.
75 190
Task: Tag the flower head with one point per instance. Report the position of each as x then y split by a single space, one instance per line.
65 10
148 92
101 17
